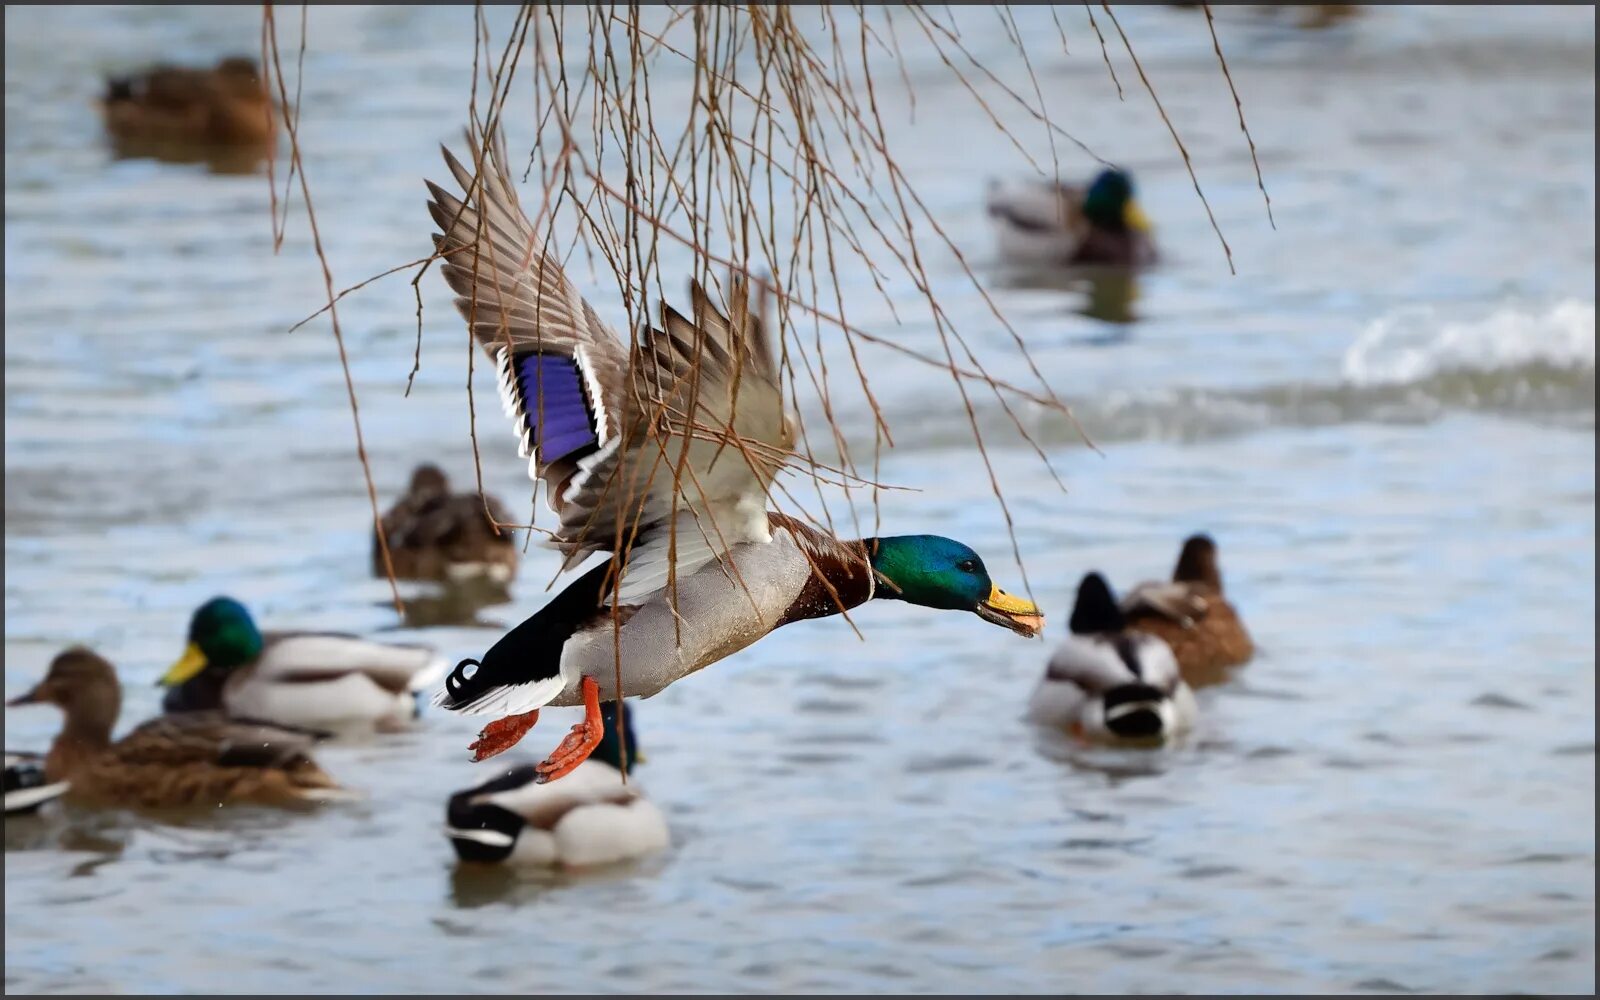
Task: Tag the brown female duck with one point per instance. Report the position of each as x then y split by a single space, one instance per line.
225 105
437 535
193 759
1192 614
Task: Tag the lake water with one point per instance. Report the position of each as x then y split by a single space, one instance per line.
1386 419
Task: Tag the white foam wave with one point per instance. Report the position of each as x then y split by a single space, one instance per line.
1415 342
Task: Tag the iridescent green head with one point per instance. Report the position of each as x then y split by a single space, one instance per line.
938 572
221 634
1109 203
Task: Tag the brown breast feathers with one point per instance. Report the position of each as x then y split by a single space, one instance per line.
841 576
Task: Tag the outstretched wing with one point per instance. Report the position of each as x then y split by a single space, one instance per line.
562 371
706 390
665 449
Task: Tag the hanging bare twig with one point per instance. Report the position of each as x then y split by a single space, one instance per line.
770 156
292 124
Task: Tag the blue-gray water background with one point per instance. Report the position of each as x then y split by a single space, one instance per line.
1386 419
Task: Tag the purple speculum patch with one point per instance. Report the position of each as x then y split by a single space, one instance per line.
559 412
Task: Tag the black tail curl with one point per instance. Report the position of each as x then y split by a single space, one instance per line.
459 681
531 652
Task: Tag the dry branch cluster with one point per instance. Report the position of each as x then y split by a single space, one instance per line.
752 138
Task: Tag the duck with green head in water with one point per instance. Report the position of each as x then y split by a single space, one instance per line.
314 679
1046 223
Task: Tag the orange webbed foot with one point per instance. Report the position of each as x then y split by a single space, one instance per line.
580 742
502 734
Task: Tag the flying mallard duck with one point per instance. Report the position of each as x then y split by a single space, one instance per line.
195 759
225 105
1192 615
439 536
27 786
1047 223
1110 683
700 568
314 679
590 818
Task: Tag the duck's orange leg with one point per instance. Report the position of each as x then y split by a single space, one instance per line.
502 734
580 743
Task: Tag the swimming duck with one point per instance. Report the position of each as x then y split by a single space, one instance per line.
27 787
1319 15
225 105
444 537
314 679
1192 615
195 759
699 567
590 818
1109 683
1047 223
1314 16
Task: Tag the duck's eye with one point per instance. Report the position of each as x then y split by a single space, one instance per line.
967 565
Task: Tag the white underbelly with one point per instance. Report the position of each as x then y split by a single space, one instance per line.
716 617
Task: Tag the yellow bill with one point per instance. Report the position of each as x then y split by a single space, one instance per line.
189 664
1020 616
1134 218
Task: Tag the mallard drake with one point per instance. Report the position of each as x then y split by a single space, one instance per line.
27 787
1050 224
195 759
699 567
444 537
1192 615
590 818
315 679
1110 683
225 105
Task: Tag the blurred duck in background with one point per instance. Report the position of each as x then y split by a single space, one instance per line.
224 105
587 818
197 759
27 786
312 679
1316 15
1192 615
1046 223
446 537
1313 16
1109 684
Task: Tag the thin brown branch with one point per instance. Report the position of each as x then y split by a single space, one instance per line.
296 165
1187 162
1239 106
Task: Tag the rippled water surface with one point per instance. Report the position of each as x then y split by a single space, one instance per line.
1386 419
